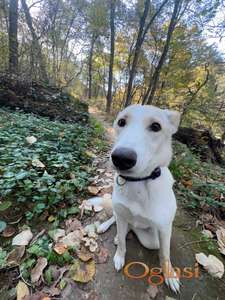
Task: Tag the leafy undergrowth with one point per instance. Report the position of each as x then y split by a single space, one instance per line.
45 173
44 164
199 185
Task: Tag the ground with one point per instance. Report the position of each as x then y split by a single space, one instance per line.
105 283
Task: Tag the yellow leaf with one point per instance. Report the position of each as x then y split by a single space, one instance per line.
21 290
51 219
82 272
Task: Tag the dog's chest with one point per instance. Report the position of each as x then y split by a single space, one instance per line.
134 204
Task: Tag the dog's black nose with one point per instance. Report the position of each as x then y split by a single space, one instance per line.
124 158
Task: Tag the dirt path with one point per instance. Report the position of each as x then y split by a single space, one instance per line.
110 285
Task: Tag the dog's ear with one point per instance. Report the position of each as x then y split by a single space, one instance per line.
174 119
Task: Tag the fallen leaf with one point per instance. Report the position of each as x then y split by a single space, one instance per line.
91 230
84 254
90 154
37 271
23 238
51 219
187 183
15 255
86 205
8 231
82 272
211 264
31 139
94 190
220 233
207 233
21 290
152 291
60 248
72 224
103 255
56 234
38 164
72 239
90 243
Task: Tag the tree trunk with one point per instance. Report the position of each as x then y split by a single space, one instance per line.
13 42
36 44
90 66
111 63
143 30
148 98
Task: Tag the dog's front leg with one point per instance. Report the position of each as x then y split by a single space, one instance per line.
171 278
119 258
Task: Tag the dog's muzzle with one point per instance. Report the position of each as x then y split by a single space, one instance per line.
124 158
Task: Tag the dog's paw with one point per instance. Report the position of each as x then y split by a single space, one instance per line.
173 282
119 262
102 228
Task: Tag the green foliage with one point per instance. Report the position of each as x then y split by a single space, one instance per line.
62 148
198 183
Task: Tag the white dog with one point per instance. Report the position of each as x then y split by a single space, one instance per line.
143 200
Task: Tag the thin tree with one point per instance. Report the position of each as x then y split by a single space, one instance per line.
142 31
112 50
13 41
90 65
149 95
35 39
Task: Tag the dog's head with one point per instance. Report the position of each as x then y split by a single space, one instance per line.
143 139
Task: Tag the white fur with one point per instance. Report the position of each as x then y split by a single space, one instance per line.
146 207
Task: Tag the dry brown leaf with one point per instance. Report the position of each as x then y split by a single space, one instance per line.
152 291
84 254
60 248
82 272
211 264
103 255
72 224
23 238
72 239
91 244
15 255
187 183
21 290
220 233
9 231
37 271
94 190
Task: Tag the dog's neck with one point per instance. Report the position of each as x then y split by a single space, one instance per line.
121 179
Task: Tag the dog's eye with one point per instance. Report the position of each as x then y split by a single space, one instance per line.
155 127
121 122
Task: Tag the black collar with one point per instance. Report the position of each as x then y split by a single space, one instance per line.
155 174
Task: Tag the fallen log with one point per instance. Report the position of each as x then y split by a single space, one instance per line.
203 143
